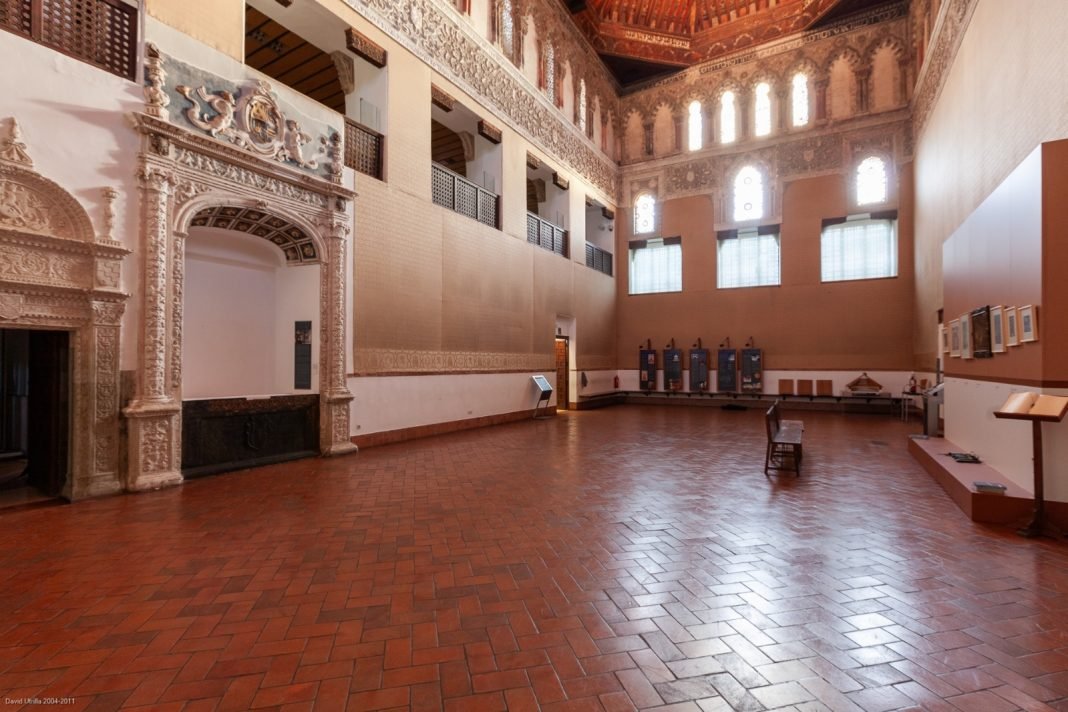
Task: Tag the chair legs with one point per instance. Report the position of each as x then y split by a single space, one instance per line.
777 454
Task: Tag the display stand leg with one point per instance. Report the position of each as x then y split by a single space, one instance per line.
1038 521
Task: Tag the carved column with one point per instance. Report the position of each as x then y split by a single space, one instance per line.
647 137
154 455
782 96
95 457
679 119
863 78
743 129
902 81
335 397
821 85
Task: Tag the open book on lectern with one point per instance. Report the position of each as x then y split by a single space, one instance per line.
1029 405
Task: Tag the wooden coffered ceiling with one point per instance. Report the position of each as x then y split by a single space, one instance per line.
639 39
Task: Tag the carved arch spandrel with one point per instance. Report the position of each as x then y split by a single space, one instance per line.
182 174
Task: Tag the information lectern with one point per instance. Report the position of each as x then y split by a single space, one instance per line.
1038 409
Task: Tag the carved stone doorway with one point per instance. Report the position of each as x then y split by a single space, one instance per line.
184 175
58 274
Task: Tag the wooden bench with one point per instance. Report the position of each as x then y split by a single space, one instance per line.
784 442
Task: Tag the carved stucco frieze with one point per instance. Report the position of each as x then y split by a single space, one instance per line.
470 62
943 49
379 361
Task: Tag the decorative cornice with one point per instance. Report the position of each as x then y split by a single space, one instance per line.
949 31
361 45
449 46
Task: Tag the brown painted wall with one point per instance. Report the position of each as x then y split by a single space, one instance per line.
802 324
1053 309
995 257
993 110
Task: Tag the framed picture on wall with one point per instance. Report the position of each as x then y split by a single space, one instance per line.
954 338
1012 334
943 339
965 336
980 322
1028 318
997 329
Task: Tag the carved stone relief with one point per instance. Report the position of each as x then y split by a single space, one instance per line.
200 181
60 274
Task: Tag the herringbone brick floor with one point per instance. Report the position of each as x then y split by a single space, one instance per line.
610 560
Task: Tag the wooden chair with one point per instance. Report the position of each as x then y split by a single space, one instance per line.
784 442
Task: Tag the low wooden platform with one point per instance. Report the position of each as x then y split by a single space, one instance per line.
956 478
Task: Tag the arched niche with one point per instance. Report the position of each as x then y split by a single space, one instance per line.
184 175
57 273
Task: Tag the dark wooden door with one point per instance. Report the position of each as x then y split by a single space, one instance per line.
48 414
562 374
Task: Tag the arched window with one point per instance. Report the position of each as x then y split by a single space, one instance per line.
550 72
695 127
871 181
748 194
582 106
800 99
762 120
727 129
644 213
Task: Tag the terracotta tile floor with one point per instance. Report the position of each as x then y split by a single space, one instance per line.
609 560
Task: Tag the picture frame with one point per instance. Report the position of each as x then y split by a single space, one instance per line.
1012 333
1028 323
997 329
966 336
943 339
980 325
954 338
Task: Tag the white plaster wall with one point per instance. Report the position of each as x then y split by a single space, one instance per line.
387 403
240 304
296 299
1005 445
531 59
73 123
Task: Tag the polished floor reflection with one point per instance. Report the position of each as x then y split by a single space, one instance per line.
632 557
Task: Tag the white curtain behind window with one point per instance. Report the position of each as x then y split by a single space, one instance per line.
859 249
656 268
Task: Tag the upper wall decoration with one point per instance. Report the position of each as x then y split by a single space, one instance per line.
465 60
248 115
295 243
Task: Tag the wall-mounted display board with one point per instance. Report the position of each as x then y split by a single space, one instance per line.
672 369
727 370
302 355
647 369
698 370
752 371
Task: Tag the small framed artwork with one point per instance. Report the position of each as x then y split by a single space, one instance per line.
1028 318
954 338
966 336
997 329
943 339
981 343
1012 333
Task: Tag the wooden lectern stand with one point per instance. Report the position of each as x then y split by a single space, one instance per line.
1038 409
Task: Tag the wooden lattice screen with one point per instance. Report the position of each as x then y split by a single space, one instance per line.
363 149
100 32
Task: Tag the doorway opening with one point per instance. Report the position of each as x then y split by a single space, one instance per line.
34 415
562 373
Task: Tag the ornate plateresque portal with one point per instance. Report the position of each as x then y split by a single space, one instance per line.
245 154
57 273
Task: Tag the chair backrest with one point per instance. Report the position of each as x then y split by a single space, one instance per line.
771 420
